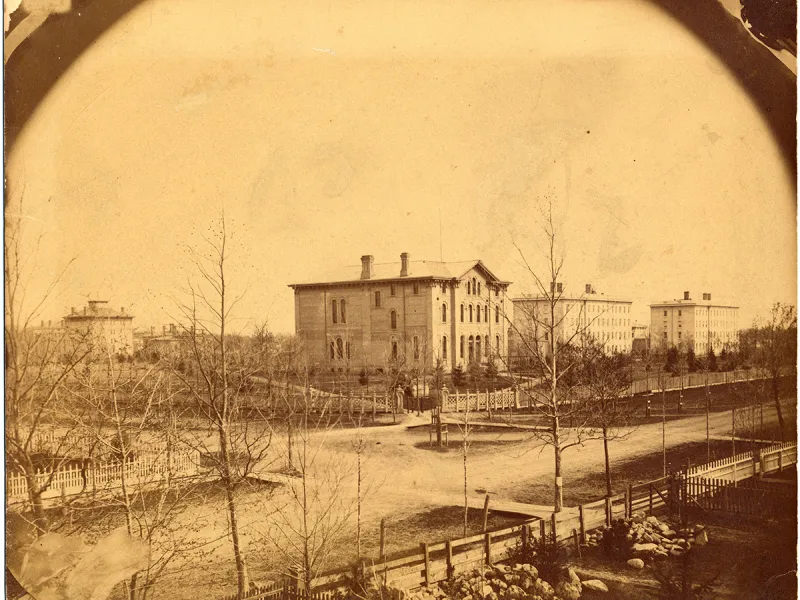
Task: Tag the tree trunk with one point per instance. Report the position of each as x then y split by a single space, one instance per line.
777 399
558 500
227 481
608 463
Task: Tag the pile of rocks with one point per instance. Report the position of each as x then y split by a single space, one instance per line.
649 538
505 582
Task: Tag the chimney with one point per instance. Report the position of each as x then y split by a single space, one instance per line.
122 309
172 328
403 264
163 330
366 266
72 310
588 288
686 296
560 287
152 329
42 325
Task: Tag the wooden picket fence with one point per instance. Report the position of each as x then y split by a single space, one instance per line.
751 497
75 477
505 399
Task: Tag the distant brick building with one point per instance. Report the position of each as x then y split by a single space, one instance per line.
413 312
698 324
107 330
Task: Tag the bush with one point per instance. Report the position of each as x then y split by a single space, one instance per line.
550 559
615 540
363 378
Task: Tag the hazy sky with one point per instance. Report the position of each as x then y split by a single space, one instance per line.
329 130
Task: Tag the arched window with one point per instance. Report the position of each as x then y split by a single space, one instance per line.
471 348
486 347
339 348
478 314
347 350
478 348
474 285
470 313
468 287
394 350
496 314
479 288
333 350
444 313
497 343
377 299
416 347
461 348
444 347
343 310
334 312
393 319
485 314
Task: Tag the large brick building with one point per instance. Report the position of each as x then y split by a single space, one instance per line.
109 331
413 312
577 316
699 324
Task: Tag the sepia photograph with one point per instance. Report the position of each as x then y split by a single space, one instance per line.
400 300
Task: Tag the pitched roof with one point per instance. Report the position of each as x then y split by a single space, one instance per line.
417 269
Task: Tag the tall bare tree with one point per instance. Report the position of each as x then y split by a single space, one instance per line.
548 333
224 365
38 364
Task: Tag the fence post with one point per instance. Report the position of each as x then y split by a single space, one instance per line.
383 539
542 531
630 500
554 526
486 513
488 545
650 499
577 542
374 406
525 536
582 523
608 512
449 550
427 572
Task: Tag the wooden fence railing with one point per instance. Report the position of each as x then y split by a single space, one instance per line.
751 498
74 478
505 399
433 563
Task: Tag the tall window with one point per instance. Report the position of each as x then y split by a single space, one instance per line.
415 287
444 287
496 314
444 313
347 350
471 348
343 310
478 348
393 319
478 314
461 347
468 287
334 312
496 292
479 288
462 316
470 313
339 348
377 299
394 350
497 343
393 289
485 314
486 347
333 350
444 347
416 348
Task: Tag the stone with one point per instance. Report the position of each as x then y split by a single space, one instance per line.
644 548
677 551
486 590
647 538
652 520
543 589
636 563
595 585
701 539
568 591
573 576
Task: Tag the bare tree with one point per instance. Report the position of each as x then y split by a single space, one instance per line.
465 429
606 381
548 336
38 364
776 349
224 365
